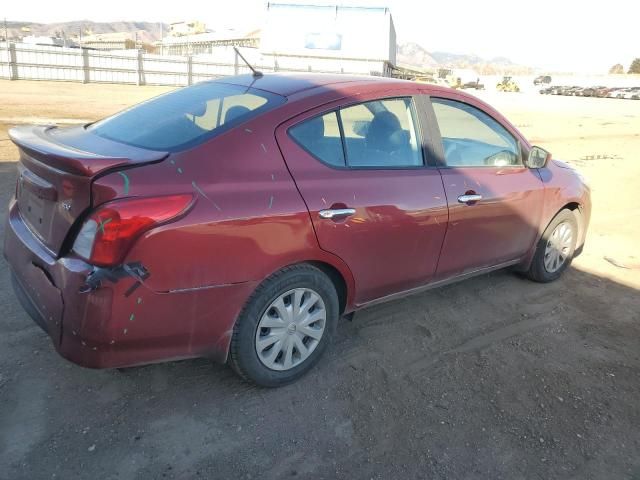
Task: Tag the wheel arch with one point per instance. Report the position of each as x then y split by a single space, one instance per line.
337 279
334 268
576 209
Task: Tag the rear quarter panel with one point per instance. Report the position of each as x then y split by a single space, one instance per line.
248 220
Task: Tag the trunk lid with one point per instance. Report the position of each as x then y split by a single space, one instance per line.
55 172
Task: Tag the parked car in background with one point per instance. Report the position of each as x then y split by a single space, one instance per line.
617 93
631 93
590 91
601 92
542 79
566 90
239 219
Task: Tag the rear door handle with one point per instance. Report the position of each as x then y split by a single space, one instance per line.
337 213
469 198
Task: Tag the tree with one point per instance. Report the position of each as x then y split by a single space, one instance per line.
617 68
635 66
149 48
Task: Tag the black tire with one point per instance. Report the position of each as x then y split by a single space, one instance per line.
537 271
243 357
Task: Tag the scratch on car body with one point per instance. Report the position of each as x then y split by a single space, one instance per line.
199 190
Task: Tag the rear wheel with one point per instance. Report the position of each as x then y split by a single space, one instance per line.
555 248
285 326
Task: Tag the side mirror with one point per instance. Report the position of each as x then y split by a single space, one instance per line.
538 158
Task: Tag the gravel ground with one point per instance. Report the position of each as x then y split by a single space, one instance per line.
492 378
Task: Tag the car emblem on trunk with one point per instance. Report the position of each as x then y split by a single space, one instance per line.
66 206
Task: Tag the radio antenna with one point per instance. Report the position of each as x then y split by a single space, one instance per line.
256 73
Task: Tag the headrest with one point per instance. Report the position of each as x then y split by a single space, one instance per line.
381 129
234 112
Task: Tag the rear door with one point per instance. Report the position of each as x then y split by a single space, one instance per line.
495 202
373 201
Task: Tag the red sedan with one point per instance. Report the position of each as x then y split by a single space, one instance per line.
239 219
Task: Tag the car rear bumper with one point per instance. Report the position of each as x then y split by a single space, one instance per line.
110 326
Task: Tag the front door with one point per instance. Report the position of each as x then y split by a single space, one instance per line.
372 200
495 202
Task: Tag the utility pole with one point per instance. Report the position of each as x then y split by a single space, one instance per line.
80 40
161 38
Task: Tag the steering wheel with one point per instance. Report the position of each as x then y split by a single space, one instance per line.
500 159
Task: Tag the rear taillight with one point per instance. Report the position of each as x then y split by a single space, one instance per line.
109 232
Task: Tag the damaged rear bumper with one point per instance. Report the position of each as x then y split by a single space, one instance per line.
119 323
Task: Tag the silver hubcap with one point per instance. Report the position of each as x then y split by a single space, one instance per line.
290 329
558 247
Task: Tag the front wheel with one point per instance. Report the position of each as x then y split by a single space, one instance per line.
285 326
555 248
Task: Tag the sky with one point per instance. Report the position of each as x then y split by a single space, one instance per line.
558 35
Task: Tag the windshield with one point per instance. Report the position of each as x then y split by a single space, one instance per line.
186 117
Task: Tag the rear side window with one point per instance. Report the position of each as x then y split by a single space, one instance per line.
377 134
320 136
471 138
184 118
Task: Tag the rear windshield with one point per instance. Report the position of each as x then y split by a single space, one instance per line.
186 117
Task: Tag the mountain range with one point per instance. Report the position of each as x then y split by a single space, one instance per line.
148 32
413 54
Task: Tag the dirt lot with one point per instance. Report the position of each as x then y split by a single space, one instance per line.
492 378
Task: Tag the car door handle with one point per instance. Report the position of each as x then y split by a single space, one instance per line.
337 212
469 198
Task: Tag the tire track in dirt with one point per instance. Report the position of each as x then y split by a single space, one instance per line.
479 342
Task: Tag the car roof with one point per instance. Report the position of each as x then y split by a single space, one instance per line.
287 84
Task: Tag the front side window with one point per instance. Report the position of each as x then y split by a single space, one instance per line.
471 138
377 134
185 117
